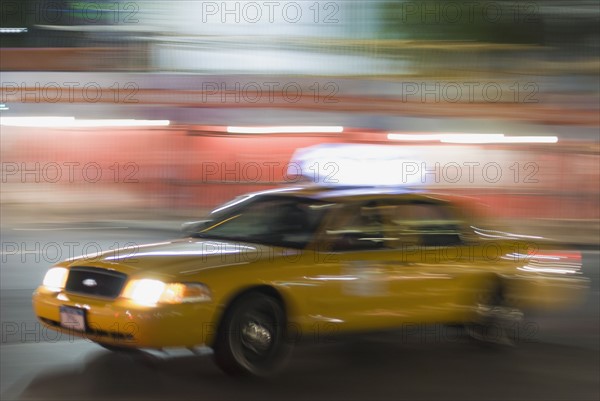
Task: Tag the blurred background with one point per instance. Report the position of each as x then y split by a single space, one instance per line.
150 113
373 68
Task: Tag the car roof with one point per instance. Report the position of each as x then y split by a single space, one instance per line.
344 192
467 207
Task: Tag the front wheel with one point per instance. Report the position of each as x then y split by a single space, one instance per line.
251 338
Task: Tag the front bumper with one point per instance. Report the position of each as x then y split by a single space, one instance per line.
120 322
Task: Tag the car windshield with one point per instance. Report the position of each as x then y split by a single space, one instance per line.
280 221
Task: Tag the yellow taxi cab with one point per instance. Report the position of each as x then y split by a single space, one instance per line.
300 259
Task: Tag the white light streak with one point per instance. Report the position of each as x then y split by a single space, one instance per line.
13 30
475 138
72 122
285 130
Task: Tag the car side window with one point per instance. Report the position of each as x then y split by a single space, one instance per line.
426 223
394 224
275 221
359 227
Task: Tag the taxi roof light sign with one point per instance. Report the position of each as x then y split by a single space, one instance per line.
343 165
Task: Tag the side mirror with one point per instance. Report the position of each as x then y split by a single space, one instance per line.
192 227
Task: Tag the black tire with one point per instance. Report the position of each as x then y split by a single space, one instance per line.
251 338
496 321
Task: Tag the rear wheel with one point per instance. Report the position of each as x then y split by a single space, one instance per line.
251 338
496 321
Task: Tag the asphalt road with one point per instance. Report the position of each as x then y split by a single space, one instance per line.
557 355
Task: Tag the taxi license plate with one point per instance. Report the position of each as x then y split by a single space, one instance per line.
72 318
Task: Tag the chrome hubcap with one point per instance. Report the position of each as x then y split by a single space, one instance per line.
500 313
496 322
256 337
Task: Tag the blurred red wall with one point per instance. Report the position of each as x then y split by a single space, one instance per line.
176 168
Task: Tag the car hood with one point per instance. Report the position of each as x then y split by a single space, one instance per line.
182 256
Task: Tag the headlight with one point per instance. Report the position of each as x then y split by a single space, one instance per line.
56 278
151 292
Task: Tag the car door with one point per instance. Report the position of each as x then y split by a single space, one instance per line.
356 283
431 261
